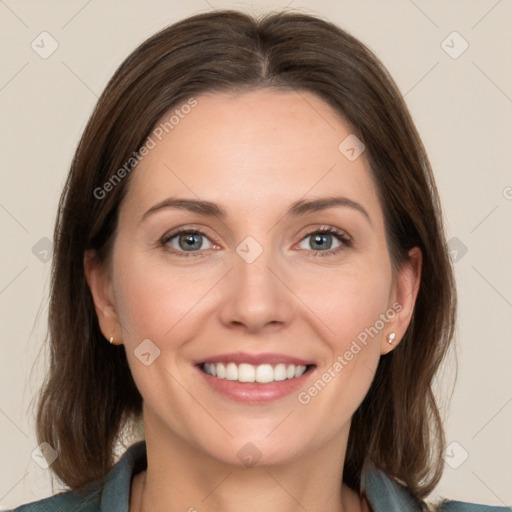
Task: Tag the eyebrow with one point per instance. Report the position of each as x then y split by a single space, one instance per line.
296 209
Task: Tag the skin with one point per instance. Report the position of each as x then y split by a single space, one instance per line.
254 154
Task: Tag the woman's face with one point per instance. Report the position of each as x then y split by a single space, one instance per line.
282 264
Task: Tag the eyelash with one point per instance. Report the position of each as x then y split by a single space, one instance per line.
342 237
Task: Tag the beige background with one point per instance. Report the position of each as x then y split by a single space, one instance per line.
463 110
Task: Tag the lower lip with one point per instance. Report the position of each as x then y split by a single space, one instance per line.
253 392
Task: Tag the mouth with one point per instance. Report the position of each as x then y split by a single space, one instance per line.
262 374
255 379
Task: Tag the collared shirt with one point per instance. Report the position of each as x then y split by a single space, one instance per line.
383 493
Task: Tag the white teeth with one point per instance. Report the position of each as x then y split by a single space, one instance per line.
264 373
220 370
299 370
246 373
210 368
232 371
280 372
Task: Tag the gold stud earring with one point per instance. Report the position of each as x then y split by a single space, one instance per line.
391 337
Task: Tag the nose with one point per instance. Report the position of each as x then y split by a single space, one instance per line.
256 296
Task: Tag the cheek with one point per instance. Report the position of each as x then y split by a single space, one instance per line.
353 310
160 303
153 299
349 302
347 368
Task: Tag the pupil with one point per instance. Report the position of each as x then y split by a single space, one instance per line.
190 241
322 241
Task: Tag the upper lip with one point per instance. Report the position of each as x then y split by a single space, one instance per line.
255 359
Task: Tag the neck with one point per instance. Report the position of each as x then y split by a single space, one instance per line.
181 477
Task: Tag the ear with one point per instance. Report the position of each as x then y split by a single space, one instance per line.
100 283
403 299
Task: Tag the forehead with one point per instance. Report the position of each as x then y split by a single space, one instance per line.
251 151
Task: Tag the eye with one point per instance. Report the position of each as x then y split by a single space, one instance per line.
192 242
187 241
325 241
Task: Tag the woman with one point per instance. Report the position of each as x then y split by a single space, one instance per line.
251 221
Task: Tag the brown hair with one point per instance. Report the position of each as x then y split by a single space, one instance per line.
89 393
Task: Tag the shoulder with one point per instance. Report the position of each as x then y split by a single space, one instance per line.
67 501
462 506
386 495
109 495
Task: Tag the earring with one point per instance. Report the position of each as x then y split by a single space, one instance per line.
391 337
112 340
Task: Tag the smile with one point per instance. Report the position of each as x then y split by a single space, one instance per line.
263 373
255 378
